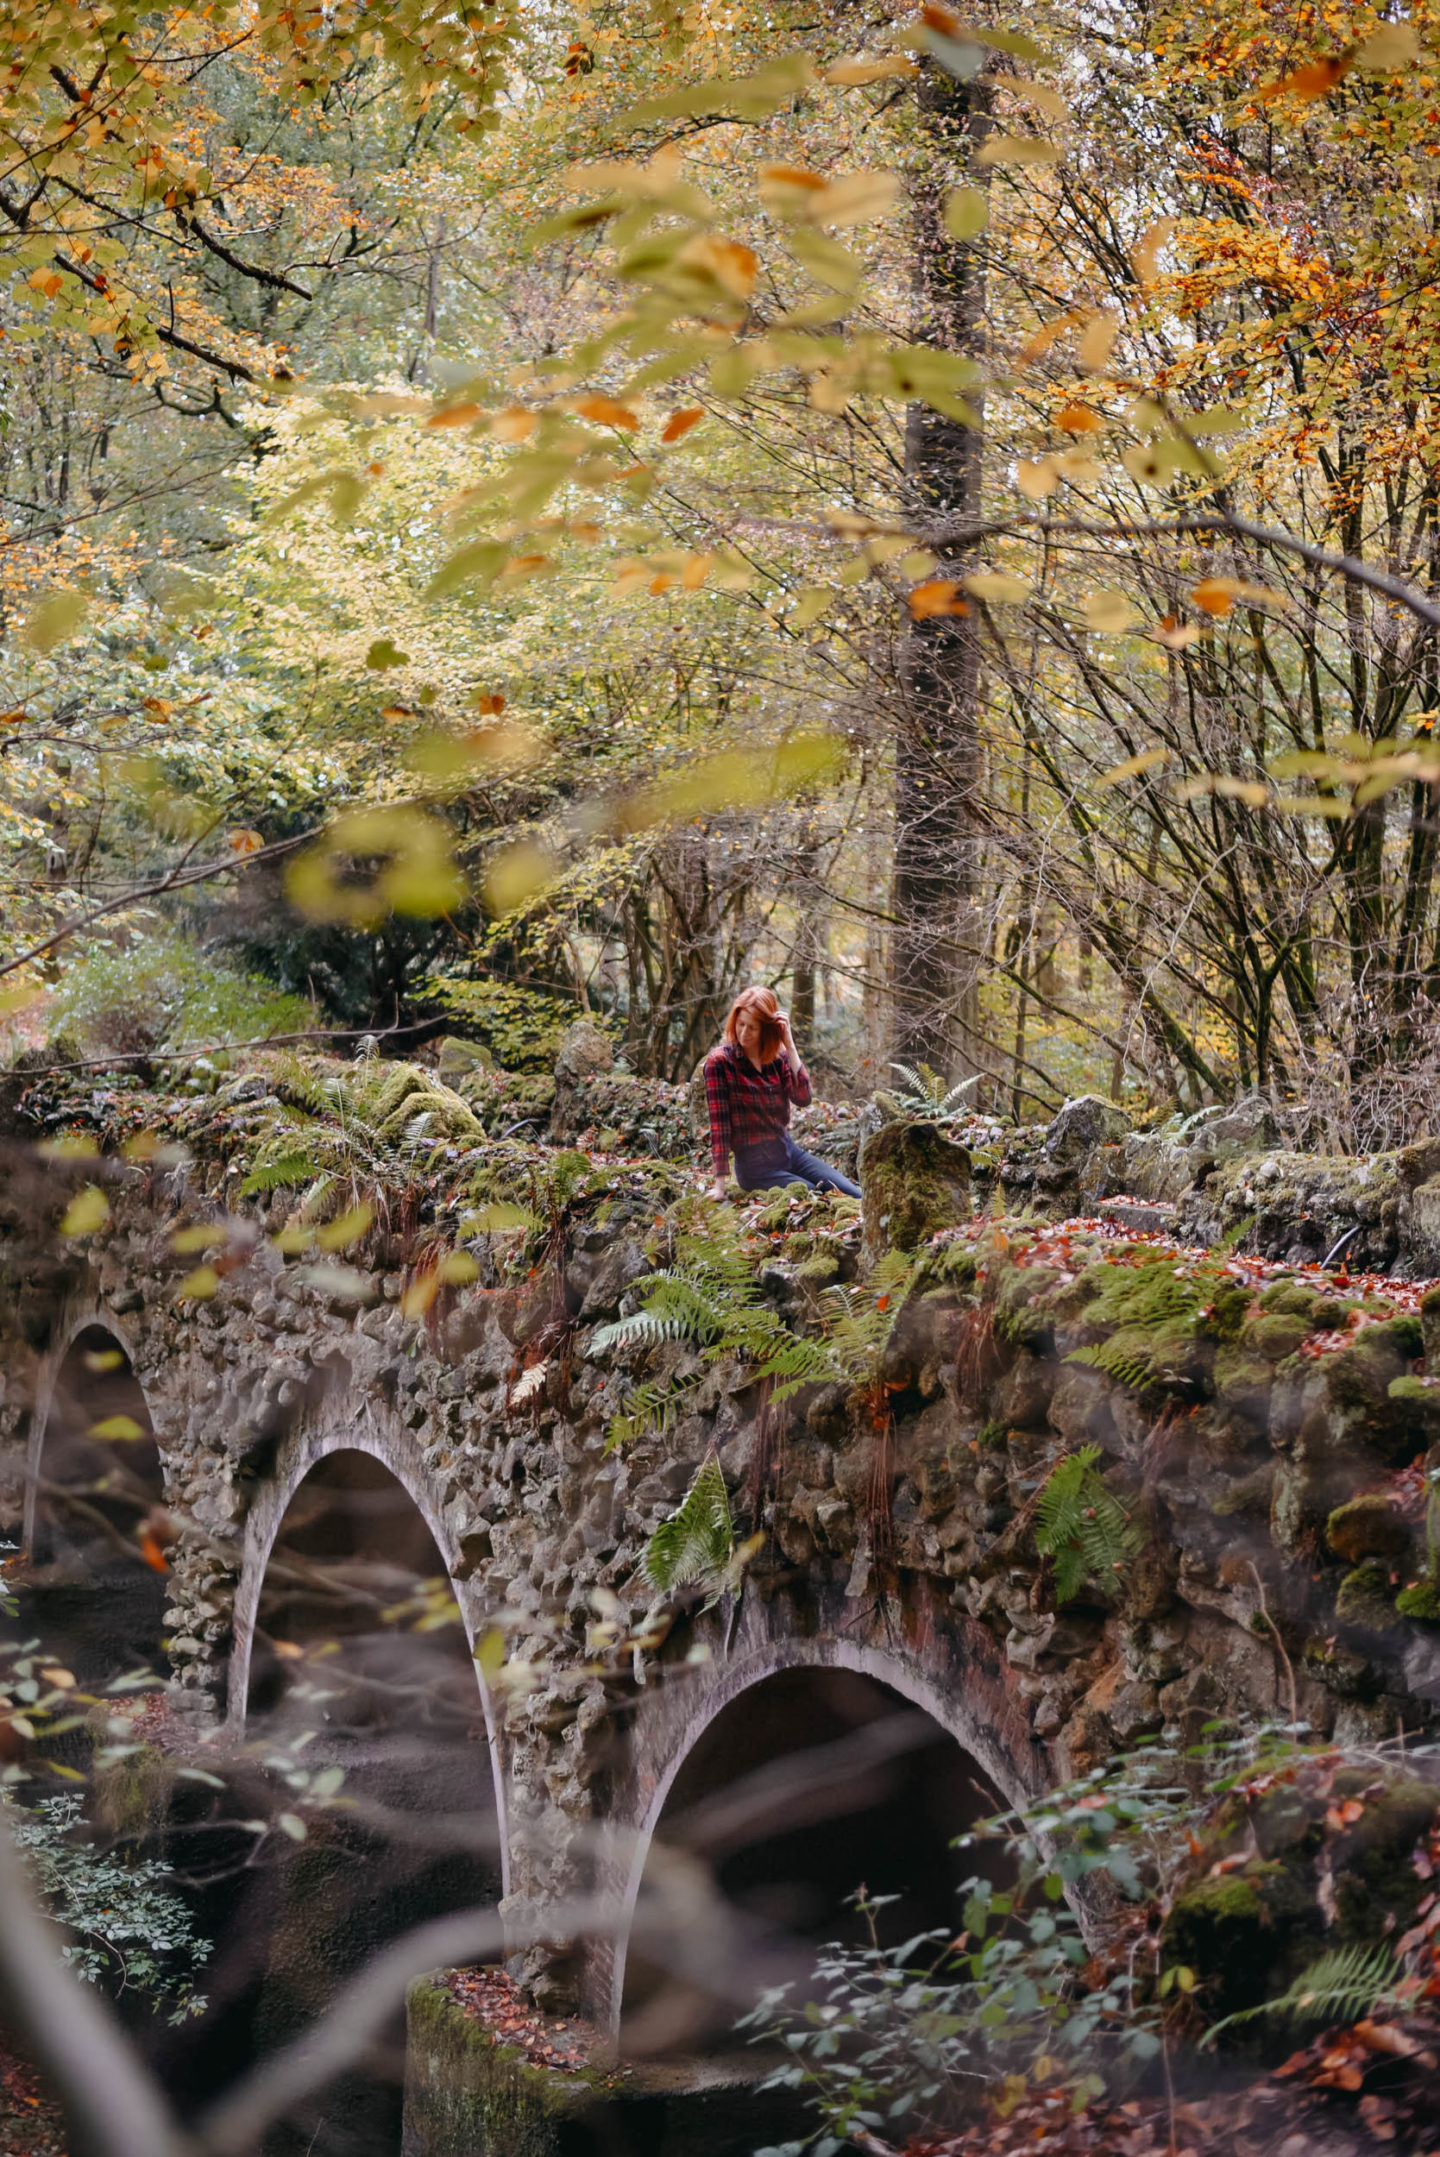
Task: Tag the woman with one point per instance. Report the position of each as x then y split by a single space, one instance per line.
750 1081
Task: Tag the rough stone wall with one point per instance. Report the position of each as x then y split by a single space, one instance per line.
1268 1433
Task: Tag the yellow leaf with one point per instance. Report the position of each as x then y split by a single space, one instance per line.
122 1429
1176 637
201 1236
420 1293
1035 93
490 1654
456 415
731 264
1395 45
245 842
1018 150
998 589
1145 254
857 198
514 424
809 605
966 212
87 1212
1108 611
346 1228
1133 766
846 74
199 1286
1037 477
1096 341
517 874
459 1268
54 620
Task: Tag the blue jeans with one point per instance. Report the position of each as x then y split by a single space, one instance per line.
780 1161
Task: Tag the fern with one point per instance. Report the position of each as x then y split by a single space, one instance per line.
1344 1984
925 1098
274 1175
697 1541
1081 1524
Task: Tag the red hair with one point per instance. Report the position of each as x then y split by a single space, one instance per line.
766 1009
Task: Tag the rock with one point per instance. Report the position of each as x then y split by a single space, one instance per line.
1082 1127
914 1180
456 1059
623 1263
585 1051
1370 1526
1305 1884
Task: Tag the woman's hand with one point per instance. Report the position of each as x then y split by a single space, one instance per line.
717 1188
787 1039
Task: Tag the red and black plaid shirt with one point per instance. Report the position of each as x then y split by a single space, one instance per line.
749 1106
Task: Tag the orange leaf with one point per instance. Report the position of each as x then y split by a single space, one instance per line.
607 412
680 423
153 1555
792 176
941 595
246 842
490 703
455 415
1078 419
1315 78
943 19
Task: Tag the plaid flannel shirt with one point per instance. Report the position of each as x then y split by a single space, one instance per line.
749 1106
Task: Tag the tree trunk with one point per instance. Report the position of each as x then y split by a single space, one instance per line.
937 940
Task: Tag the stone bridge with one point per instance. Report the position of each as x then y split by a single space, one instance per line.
1266 1426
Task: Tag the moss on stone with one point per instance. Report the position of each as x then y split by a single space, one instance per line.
1365 1597
1293 1298
915 1180
1250 1495
1331 1314
1369 1526
1274 1334
1421 1600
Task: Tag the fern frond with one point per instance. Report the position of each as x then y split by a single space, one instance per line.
1344 1984
1082 1526
285 1169
697 1541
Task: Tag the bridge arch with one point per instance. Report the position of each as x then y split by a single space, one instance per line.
962 1694
307 1449
94 1521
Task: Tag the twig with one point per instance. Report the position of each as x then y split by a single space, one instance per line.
1274 1632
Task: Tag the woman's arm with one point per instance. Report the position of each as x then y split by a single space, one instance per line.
717 1101
797 1078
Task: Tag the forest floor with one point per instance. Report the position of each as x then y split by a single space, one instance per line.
30 2125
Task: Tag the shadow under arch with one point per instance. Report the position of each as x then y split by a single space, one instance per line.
350 1654
94 1572
809 1768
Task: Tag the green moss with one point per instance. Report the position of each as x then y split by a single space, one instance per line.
1369 1526
467 2096
1421 1600
1331 1314
915 1181
994 1437
1275 1334
1365 1597
1291 1297
1249 1496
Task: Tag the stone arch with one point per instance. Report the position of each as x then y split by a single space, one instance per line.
944 1666
88 1317
94 1573
392 1448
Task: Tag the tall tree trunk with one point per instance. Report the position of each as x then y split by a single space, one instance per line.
937 940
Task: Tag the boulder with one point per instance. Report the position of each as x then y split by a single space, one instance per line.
1083 1125
585 1051
913 1181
